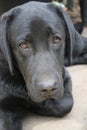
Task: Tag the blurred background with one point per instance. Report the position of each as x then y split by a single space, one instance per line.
76 9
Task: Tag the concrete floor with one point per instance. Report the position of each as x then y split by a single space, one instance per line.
77 119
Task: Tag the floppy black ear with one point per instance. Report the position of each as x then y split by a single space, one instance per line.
4 42
74 42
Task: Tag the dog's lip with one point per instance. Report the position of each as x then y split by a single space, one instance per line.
39 100
43 97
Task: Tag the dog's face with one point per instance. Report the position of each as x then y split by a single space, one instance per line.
36 36
37 40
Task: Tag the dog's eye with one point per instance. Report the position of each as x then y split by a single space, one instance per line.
24 45
56 40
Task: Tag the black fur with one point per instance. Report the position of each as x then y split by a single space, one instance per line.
35 78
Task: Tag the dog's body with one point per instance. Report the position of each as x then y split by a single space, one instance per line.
36 40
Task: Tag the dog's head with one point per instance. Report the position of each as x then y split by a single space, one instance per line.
38 35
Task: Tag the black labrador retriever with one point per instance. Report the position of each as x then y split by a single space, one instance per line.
36 40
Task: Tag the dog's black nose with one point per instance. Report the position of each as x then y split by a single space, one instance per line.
48 87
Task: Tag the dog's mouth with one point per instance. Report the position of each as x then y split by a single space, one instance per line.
39 100
38 97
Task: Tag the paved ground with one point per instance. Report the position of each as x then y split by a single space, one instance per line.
77 119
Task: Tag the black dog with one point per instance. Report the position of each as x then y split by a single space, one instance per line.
36 40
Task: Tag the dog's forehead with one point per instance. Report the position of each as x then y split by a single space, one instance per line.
34 16
38 11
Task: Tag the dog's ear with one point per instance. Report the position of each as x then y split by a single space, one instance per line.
73 38
4 42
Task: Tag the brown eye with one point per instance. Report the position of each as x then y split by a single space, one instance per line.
56 40
24 45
